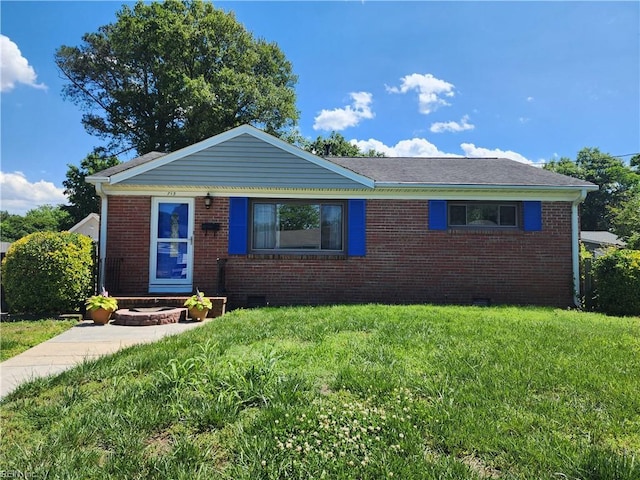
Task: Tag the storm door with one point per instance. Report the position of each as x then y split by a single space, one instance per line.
171 262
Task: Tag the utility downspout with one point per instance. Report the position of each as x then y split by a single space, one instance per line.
103 235
575 246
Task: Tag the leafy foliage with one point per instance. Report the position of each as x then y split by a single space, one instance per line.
615 179
626 219
47 272
83 199
198 301
335 145
298 217
617 280
169 74
102 301
45 218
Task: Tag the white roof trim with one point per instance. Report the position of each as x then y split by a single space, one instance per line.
443 193
228 135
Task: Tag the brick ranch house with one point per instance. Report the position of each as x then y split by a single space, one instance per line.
290 227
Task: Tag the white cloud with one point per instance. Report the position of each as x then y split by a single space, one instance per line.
470 150
421 147
415 147
349 116
439 127
14 68
430 90
18 195
530 99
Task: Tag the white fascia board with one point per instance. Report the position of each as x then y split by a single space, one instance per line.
460 193
228 135
199 191
568 192
94 180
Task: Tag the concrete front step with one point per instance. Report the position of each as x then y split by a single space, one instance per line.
219 303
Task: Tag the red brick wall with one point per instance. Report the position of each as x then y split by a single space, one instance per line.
128 231
405 262
209 245
128 238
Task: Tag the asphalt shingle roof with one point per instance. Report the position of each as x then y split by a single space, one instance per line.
147 157
454 171
604 238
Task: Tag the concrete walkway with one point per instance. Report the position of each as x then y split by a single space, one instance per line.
86 340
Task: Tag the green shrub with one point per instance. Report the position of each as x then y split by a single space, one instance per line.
633 242
617 282
48 272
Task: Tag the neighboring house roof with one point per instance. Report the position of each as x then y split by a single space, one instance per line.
89 226
4 247
603 239
248 158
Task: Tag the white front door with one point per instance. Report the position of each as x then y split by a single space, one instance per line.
171 262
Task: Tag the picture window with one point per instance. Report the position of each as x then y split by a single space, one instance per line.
297 227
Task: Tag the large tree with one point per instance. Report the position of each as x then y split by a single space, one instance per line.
336 145
615 179
626 219
83 199
167 75
45 218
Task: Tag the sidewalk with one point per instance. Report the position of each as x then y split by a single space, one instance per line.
84 341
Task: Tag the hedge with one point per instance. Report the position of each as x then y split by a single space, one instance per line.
48 272
617 282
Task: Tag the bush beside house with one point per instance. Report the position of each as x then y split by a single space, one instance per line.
48 272
617 282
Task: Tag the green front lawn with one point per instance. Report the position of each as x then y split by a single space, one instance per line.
16 337
346 392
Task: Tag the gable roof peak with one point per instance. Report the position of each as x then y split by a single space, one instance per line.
153 160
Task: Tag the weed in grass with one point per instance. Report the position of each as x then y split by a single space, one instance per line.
341 436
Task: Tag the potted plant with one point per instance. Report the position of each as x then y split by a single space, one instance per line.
101 307
198 306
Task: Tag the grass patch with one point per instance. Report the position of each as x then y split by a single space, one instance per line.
363 392
16 337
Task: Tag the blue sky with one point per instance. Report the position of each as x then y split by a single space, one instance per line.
532 81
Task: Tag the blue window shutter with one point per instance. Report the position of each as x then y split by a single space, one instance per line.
437 214
532 216
357 231
238 225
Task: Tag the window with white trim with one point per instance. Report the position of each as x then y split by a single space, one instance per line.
484 214
297 226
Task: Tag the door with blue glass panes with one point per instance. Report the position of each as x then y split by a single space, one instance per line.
171 262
